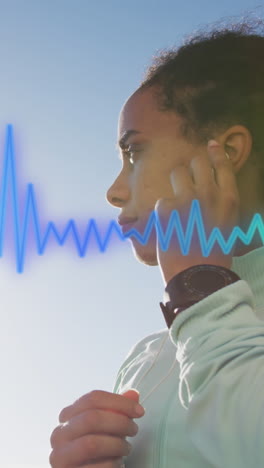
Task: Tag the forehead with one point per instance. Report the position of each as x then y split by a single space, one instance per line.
140 112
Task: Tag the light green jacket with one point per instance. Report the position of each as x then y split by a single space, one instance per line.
202 381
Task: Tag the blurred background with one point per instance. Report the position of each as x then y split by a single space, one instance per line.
67 323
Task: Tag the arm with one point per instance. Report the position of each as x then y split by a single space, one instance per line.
220 349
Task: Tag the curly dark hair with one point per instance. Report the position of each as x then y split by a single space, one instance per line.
213 81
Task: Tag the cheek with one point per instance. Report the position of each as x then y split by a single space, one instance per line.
149 185
154 188
152 181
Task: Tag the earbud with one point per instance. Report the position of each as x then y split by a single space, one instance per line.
227 155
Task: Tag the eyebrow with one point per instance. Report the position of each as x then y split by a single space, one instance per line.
121 143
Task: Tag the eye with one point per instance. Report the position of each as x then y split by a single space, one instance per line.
127 152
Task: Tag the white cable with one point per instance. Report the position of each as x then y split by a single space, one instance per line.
164 378
157 355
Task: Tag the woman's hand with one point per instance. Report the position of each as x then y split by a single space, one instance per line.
219 202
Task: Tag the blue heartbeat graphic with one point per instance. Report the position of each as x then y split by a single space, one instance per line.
9 171
196 217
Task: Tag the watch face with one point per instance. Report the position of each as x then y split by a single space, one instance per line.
195 283
202 281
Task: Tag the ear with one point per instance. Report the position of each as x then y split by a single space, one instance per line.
237 141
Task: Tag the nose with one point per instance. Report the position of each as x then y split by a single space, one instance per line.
118 194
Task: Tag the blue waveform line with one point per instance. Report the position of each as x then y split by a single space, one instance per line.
21 234
196 217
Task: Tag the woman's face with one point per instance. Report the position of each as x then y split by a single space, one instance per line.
154 147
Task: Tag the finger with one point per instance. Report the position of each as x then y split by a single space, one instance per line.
181 179
203 173
100 399
93 422
91 447
171 223
225 176
106 463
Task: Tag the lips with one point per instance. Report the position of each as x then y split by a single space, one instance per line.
126 223
124 220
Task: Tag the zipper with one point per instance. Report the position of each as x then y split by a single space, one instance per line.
158 460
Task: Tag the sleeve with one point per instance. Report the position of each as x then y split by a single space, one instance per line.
220 349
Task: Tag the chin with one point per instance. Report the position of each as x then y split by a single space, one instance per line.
145 254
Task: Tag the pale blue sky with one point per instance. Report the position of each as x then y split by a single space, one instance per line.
67 323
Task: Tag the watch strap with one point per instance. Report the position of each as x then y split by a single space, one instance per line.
192 285
170 314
